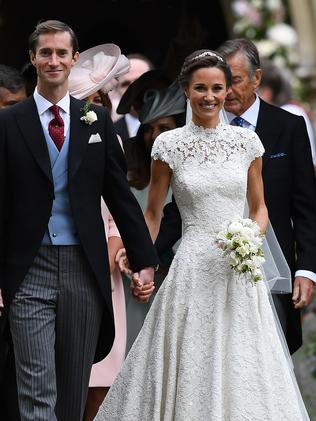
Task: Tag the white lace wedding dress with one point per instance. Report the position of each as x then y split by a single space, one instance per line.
209 349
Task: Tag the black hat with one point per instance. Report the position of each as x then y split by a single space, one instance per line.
133 96
162 103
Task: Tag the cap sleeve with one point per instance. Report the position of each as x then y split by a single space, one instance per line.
254 146
162 150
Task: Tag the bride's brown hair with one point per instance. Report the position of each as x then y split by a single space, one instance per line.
200 59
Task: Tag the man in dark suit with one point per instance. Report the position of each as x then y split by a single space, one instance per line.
289 182
57 158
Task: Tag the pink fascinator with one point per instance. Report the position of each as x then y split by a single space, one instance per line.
98 68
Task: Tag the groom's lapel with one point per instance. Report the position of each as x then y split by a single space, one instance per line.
30 125
79 136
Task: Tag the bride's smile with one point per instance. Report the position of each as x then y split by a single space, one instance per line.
207 92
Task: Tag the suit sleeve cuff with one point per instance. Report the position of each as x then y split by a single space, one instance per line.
307 274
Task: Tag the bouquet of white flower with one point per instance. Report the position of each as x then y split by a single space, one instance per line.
242 242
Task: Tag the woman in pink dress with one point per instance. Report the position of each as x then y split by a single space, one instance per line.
94 75
104 372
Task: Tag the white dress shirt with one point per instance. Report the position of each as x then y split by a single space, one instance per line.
46 115
132 124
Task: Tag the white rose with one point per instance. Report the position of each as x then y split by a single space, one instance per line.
91 117
283 34
234 227
247 233
257 241
247 222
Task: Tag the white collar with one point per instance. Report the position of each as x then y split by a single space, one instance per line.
132 124
250 115
131 119
43 104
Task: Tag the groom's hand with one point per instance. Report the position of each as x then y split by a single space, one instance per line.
142 285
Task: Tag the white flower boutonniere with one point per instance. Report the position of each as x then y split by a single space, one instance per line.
89 117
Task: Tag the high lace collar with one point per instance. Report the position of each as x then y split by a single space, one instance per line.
195 129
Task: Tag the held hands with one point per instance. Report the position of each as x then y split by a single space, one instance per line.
303 292
142 285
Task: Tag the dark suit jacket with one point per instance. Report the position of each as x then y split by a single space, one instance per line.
170 228
290 195
121 129
27 193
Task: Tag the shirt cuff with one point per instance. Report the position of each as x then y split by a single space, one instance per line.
307 274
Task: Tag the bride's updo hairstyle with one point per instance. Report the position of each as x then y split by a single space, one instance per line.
201 59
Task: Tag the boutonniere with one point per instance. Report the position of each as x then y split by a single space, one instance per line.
88 117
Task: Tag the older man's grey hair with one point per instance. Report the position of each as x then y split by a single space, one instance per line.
242 46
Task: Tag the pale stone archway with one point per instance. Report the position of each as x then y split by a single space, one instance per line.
303 17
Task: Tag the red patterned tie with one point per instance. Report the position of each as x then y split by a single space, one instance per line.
56 127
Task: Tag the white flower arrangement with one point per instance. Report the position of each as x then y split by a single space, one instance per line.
242 241
263 21
89 117
283 34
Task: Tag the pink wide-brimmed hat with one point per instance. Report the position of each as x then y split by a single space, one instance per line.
98 68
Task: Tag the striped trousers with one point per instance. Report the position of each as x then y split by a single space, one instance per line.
54 319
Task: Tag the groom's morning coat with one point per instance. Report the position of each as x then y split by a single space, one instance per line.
27 194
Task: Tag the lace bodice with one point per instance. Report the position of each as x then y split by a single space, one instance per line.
210 168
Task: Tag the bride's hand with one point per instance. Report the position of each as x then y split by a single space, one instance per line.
122 261
142 288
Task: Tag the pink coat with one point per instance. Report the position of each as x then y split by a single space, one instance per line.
104 372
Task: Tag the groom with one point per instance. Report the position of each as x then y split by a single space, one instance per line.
56 161
289 182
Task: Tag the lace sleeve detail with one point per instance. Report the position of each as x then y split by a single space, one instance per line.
162 150
254 146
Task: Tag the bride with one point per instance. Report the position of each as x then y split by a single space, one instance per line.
209 349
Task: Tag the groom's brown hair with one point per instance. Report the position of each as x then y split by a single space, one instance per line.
52 26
